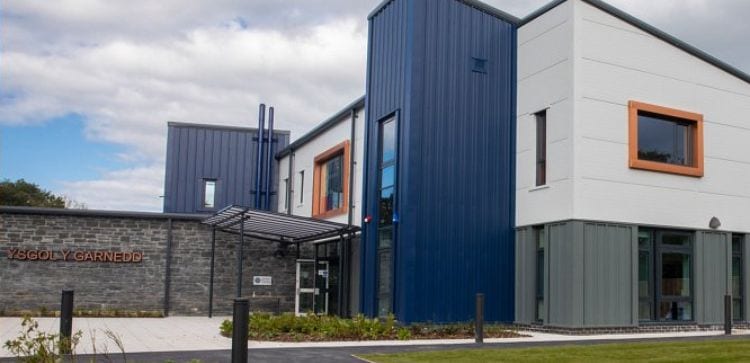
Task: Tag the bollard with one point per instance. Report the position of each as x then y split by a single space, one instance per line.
239 330
479 320
66 321
728 314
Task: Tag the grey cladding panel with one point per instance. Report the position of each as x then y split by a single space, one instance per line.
525 276
565 261
745 277
608 277
712 251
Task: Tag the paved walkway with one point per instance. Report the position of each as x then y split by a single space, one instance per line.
175 334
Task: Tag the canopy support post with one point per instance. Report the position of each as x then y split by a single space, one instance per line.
240 256
211 282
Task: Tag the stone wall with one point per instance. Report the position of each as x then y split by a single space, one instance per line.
142 286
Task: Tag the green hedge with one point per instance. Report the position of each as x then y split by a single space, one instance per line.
311 327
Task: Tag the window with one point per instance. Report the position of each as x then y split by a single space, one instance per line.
301 187
737 280
541 148
209 193
539 240
665 140
665 275
286 194
331 182
387 191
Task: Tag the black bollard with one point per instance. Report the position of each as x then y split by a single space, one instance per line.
728 314
66 321
479 320
239 330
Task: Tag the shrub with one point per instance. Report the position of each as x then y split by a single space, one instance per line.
35 346
226 328
311 327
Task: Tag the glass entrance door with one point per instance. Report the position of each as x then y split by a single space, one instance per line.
321 288
303 302
665 275
312 287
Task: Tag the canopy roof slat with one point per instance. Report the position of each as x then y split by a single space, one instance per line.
274 226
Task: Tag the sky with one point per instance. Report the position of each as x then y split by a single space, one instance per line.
87 86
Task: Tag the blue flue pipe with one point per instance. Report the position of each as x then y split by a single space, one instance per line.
259 160
269 141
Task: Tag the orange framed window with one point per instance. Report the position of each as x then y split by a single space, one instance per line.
331 182
665 140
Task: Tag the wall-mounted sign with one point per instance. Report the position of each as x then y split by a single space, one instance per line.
262 280
74 255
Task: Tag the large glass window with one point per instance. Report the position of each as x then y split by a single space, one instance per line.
334 183
665 139
387 191
539 239
665 275
541 148
737 277
330 181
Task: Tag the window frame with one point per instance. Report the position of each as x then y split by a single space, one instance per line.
301 200
540 166
694 170
391 226
287 195
203 193
318 208
540 246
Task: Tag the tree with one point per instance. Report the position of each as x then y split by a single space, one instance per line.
25 194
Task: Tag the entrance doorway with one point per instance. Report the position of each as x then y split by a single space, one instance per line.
665 268
312 287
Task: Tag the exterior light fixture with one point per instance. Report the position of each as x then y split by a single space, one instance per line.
714 223
367 219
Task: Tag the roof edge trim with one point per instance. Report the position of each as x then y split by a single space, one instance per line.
221 127
322 127
485 8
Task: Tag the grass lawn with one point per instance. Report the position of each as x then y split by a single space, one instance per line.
709 351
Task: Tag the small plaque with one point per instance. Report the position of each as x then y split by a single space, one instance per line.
262 280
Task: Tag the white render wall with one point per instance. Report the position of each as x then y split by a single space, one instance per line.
545 78
614 62
304 159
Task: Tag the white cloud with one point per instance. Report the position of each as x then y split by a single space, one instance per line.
128 90
137 189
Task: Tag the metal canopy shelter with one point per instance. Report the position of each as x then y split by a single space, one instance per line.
268 226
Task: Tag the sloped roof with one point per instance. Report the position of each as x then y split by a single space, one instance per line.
322 127
611 10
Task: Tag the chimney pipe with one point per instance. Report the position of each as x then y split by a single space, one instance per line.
269 159
259 159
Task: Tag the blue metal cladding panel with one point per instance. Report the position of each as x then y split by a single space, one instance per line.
226 154
455 203
385 91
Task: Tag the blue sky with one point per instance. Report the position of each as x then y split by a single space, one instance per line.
54 151
85 97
